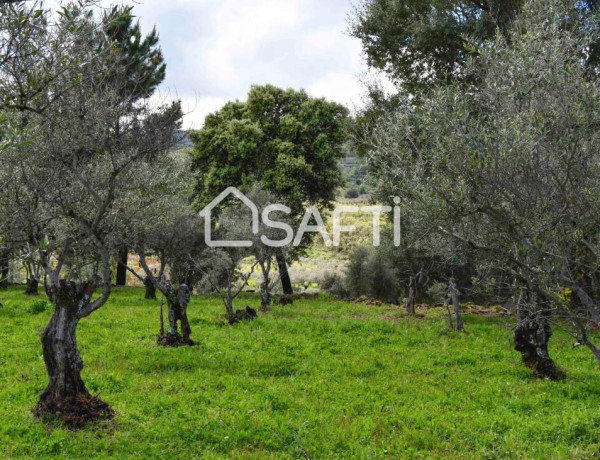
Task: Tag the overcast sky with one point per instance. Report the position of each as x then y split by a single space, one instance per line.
216 49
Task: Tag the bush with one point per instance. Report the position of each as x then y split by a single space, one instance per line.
356 279
339 289
382 277
335 284
39 306
328 279
371 274
436 293
352 193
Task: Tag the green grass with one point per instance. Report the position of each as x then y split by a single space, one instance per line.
319 379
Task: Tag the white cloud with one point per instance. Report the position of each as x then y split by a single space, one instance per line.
216 49
341 87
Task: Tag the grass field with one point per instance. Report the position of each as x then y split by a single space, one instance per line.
319 379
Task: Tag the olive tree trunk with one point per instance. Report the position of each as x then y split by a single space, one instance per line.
59 344
532 335
4 268
177 303
150 289
412 296
454 297
415 286
265 296
32 286
266 285
66 396
229 300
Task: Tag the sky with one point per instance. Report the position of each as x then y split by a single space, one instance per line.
216 49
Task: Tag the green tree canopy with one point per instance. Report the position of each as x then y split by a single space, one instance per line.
510 167
284 140
139 69
143 67
422 43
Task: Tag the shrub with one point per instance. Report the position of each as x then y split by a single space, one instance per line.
382 277
338 288
335 284
436 292
39 306
371 273
352 193
328 279
356 279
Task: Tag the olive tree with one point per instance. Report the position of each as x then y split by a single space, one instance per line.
510 167
221 266
229 269
81 144
22 32
223 272
168 230
174 242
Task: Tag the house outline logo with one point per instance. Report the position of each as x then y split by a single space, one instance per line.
206 213
305 226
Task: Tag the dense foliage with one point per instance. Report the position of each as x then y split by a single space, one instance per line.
421 44
143 67
509 165
284 140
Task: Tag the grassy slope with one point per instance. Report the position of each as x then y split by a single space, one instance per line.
320 378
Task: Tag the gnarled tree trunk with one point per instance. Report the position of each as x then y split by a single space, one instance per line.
532 335
177 303
32 286
265 296
4 268
66 396
150 289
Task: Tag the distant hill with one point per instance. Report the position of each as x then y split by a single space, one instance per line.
357 180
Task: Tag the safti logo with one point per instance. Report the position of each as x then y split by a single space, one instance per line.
305 226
